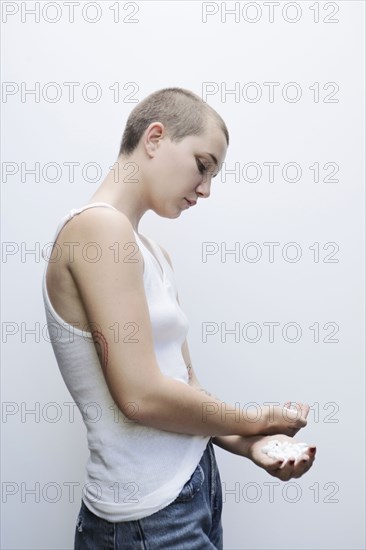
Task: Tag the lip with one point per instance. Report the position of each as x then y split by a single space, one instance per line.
191 203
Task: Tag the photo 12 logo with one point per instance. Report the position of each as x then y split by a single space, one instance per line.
70 12
269 12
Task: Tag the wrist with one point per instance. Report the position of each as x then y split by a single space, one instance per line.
236 444
249 444
246 445
255 426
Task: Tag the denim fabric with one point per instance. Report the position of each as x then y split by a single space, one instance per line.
191 522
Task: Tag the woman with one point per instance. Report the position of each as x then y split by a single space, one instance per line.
152 480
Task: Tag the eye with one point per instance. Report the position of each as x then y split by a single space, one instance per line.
201 167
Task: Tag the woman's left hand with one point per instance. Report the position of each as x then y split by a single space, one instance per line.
281 468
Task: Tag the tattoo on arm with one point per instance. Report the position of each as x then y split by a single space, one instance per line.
189 369
206 392
210 394
101 347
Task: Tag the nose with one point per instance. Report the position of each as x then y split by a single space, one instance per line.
203 189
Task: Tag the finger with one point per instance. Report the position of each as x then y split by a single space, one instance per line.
303 466
297 415
290 464
287 466
291 432
277 470
284 475
280 476
309 453
302 410
277 474
290 469
294 417
276 465
301 469
284 464
286 470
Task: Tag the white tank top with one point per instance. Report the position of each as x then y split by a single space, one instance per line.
132 470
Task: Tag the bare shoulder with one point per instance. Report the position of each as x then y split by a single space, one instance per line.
100 219
100 231
92 244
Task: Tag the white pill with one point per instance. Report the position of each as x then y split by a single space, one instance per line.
275 449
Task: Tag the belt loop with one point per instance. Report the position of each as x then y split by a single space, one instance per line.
212 473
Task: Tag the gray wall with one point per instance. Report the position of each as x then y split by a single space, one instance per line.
318 358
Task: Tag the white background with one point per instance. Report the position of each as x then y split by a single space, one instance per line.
170 45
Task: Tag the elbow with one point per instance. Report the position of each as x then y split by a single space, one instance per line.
140 402
138 409
132 410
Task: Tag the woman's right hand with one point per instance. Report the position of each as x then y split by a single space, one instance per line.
283 469
286 420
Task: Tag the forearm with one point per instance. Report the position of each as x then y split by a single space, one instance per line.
235 444
178 407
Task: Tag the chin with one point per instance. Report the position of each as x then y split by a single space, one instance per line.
172 215
168 213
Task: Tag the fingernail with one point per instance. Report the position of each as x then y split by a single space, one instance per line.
312 449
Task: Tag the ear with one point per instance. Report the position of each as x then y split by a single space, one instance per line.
152 136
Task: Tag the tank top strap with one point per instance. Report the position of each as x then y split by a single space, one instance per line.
158 251
72 213
75 211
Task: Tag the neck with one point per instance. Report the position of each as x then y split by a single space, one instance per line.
123 188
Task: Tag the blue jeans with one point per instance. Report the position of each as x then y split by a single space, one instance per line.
191 522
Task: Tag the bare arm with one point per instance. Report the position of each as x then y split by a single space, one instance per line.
250 446
235 444
113 295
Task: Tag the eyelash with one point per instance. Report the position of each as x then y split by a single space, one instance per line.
201 167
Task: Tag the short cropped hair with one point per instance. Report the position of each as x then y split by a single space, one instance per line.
182 112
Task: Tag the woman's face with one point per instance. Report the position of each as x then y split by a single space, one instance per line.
183 170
